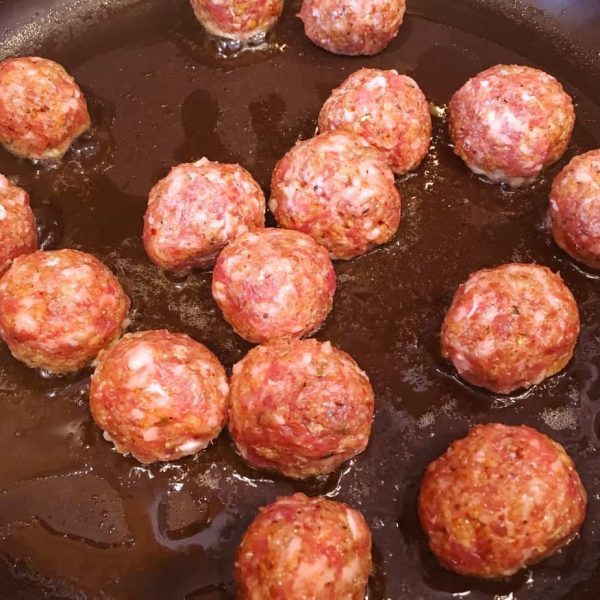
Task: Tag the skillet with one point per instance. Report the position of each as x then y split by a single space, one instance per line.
79 521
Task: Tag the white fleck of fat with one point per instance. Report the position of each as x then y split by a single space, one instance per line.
352 524
191 446
139 358
583 175
377 82
160 395
24 322
137 414
307 358
224 386
202 161
151 434
3 213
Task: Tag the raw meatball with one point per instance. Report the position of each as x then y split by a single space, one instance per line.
499 500
274 283
338 189
17 224
357 27
575 208
389 110
237 19
300 548
194 211
59 309
301 407
42 109
510 327
510 122
159 395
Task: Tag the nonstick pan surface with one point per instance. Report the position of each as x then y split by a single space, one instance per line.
79 521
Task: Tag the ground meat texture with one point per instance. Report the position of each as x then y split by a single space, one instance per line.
17 224
238 19
509 122
159 395
59 309
575 209
387 109
501 499
42 109
300 407
299 548
338 189
510 327
194 211
359 27
274 283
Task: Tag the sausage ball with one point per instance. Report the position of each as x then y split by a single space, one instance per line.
42 109
501 499
387 109
159 395
575 209
274 283
300 407
17 224
509 122
194 211
360 27
237 19
338 189
299 548
59 309
510 327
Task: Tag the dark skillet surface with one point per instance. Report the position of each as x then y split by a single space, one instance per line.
80 521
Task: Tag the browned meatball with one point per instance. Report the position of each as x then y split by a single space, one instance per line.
510 327
499 500
299 548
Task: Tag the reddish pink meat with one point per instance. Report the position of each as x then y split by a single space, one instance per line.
159 395
338 189
42 109
501 499
17 224
58 309
301 548
510 327
301 407
197 209
511 121
387 109
358 27
575 209
274 283
237 19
